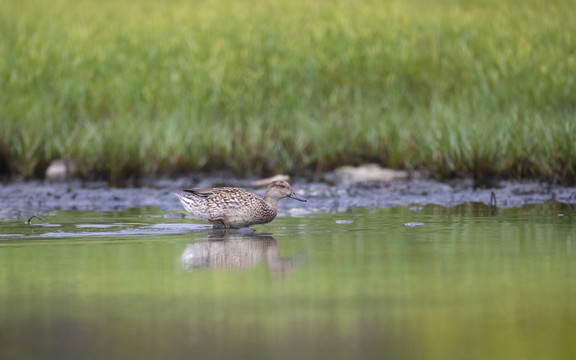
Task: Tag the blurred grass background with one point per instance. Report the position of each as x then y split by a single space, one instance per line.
132 88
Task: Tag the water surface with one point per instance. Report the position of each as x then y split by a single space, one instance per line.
457 284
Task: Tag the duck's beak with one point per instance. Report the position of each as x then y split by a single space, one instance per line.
296 197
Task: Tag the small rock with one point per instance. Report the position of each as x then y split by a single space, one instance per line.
61 169
368 172
267 181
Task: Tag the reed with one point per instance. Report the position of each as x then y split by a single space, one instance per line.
125 88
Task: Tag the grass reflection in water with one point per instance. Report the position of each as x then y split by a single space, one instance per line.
463 285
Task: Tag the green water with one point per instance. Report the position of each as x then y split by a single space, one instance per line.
137 285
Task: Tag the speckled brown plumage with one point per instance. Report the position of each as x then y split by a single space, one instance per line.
231 207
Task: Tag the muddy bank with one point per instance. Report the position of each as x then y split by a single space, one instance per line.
23 199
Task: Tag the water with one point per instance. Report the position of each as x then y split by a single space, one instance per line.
398 283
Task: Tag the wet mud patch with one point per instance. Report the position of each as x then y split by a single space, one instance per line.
25 199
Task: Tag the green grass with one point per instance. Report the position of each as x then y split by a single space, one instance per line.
130 88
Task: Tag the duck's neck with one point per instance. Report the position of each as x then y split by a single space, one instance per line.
272 201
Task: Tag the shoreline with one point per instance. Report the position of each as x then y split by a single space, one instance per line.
24 199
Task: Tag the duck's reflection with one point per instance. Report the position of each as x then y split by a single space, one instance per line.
229 249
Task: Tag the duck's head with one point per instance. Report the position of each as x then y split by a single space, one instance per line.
280 189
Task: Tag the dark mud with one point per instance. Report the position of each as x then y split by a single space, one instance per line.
25 199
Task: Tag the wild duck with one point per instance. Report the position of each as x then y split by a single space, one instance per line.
232 207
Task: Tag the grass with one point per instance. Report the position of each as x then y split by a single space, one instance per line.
126 89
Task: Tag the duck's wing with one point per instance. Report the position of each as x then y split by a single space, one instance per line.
201 192
229 192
